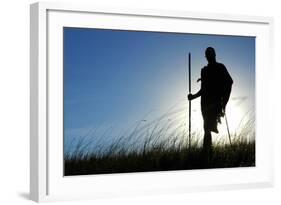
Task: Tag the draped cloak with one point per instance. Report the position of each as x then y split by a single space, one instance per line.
216 84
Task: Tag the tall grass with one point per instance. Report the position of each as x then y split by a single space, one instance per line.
157 146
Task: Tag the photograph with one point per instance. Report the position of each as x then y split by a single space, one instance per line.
146 101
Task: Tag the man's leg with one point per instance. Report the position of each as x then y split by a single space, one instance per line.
207 147
207 143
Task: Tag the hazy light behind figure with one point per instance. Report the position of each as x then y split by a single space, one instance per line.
171 124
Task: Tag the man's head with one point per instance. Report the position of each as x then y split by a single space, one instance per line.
210 54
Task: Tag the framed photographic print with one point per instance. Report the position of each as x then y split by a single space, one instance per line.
127 102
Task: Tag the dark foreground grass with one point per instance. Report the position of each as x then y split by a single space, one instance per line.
158 146
240 154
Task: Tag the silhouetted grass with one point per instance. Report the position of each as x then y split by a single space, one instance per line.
159 146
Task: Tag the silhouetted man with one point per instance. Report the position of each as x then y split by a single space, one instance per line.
215 90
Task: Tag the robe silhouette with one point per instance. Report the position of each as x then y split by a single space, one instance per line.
215 90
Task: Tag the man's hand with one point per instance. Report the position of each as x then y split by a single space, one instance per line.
190 97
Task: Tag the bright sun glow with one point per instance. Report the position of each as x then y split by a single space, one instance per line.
235 118
235 114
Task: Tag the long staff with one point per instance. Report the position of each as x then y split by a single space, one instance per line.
189 102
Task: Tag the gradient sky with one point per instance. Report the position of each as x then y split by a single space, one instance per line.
115 78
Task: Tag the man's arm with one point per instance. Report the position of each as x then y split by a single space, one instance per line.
196 95
199 93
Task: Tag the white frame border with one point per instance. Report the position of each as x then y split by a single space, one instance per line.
39 90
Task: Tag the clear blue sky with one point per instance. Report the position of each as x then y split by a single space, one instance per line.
115 78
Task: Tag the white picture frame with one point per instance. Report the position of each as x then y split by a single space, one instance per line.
47 182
